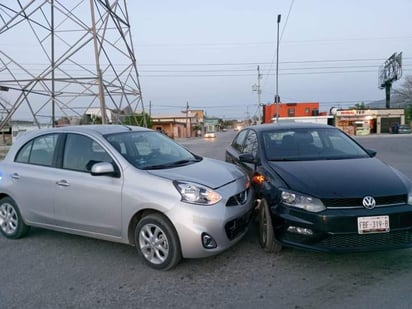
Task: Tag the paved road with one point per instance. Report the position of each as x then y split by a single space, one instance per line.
54 270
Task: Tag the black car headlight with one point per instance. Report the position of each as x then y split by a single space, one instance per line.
298 200
194 193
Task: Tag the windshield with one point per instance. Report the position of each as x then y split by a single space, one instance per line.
310 144
150 150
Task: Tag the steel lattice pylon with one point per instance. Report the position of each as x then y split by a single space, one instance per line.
59 58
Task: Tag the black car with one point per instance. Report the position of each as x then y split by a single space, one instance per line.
317 188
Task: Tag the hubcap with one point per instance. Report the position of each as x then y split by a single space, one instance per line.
8 218
153 243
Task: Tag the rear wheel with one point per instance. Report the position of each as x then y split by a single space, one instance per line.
266 235
157 242
11 223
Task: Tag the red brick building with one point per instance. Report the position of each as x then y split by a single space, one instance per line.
304 109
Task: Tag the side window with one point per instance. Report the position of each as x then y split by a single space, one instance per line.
239 139
251 143
38 151
81 152
24 153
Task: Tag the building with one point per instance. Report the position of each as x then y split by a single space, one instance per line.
282 110
177 126
367 121
305 111
20 126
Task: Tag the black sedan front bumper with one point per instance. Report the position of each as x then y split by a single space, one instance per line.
336 230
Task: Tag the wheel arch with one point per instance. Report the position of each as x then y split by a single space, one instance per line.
143 213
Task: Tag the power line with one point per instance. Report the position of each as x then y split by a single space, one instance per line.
227 64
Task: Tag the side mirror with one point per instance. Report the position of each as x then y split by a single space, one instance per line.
371 153
247 158
103 168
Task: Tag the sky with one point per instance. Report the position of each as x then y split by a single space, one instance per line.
206 53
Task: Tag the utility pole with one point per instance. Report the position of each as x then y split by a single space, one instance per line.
256 88
187 120
277 98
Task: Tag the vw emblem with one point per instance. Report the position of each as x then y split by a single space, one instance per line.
369 202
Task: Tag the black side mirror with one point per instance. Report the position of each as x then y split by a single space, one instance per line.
248 158
371 153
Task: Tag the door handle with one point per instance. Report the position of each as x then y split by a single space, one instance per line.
15 176
62 183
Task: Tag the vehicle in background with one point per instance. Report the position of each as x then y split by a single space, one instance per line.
317 188
124 184
404 129
210 134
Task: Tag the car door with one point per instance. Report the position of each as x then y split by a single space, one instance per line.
32 176
84 202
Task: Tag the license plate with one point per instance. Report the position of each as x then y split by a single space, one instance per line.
377 224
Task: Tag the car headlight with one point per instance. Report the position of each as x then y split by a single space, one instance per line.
197 194
298 200
410 198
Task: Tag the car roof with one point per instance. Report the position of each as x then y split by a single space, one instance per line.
288 125
91 129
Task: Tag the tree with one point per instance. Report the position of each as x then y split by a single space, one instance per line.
360 105
405 91
137 120
408 113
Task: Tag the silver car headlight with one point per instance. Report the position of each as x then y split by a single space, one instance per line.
298 200
410 198
194 193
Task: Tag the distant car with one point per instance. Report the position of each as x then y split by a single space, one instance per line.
318 189
238 128
404 129
124 184
210 134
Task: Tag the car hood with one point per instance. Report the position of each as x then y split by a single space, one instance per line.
342 178
209 172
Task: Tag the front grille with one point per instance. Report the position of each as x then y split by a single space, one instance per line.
237 226
357 202
238 199
353 242
368 241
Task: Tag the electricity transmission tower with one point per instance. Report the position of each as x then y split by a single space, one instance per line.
60 58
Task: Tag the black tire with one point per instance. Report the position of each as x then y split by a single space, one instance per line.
12 225
266 233
157 242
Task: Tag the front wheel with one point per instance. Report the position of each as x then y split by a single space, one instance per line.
12 225
266 233
157 242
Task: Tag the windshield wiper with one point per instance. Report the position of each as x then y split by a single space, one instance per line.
172 164
285 159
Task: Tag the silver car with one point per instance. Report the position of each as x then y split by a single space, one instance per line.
124 184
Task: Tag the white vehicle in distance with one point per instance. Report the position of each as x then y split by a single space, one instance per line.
210 134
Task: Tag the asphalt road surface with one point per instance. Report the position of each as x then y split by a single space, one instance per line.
55 270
